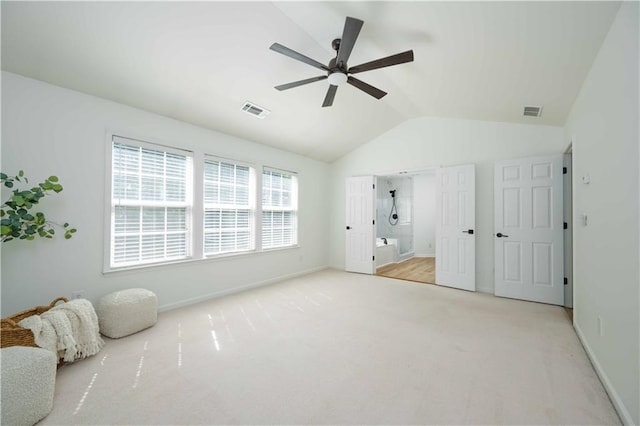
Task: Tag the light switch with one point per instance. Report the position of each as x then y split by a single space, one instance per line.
584 218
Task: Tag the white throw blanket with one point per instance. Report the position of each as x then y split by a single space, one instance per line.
69 330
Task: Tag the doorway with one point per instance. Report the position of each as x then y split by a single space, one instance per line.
454 206
568 232
405 226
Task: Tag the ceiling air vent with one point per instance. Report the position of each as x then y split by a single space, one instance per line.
532 111
255 110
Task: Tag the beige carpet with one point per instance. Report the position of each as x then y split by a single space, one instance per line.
341 348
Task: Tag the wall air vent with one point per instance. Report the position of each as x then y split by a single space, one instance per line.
532 111
255 110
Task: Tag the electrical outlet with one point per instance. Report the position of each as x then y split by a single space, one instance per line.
78 294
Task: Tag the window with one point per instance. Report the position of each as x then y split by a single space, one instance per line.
169 204
228 207
150 203
279 209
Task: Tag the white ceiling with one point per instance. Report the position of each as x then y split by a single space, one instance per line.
200 61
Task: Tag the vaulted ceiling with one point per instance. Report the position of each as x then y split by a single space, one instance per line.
200 61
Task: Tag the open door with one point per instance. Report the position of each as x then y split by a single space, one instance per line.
455 227
528 229
359 226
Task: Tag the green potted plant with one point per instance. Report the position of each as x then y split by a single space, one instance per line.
17 221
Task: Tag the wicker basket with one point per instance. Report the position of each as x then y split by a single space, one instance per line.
11 334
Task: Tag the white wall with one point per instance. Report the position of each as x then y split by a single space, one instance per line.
423 143
49 130
603 125
424 217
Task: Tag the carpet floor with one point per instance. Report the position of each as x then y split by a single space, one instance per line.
339 348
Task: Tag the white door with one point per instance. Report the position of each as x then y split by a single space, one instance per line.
455 227
528 229
360 231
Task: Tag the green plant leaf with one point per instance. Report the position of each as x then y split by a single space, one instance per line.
18 200
17 221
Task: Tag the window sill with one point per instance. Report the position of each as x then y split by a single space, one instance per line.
191 261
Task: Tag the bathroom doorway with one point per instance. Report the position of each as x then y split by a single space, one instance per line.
405 226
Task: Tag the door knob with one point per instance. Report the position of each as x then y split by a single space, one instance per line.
500 235
348 227
470 232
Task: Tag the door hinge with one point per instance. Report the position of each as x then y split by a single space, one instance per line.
374 186
564 170
374 258
566 281
565 225
374 221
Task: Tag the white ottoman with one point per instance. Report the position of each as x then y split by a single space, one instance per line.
125 312
28 384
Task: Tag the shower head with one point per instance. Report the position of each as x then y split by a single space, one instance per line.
393 193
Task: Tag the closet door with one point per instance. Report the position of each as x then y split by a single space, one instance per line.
528 229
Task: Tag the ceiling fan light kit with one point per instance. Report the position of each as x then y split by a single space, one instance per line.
337 78
337 71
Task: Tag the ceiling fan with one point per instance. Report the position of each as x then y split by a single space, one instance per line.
337 70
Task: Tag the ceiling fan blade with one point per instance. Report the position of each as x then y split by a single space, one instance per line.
277 47
373 91
331 93
399 58
350 33
300 83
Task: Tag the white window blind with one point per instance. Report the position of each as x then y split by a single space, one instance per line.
279 209
150 203
228 207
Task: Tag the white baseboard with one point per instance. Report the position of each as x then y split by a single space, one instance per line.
613 395
239 289
426 254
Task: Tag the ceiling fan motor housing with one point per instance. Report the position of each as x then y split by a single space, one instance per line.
337 75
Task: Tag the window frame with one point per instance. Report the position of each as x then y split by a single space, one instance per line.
293 208
251 206
195 225
111 204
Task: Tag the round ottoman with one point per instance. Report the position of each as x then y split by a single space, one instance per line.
125 312
28 384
